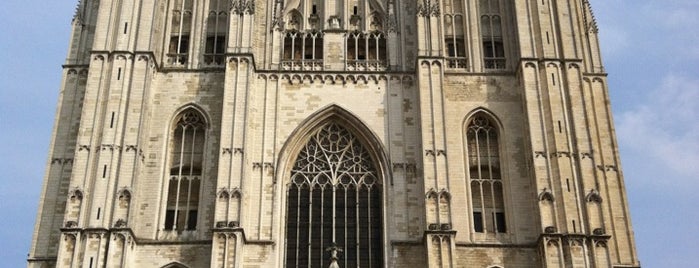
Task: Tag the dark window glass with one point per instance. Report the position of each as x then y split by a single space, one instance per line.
169 219
478 222
500 221
334 199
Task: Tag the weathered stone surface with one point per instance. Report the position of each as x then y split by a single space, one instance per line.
107 183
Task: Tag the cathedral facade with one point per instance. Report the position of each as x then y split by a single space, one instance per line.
333 133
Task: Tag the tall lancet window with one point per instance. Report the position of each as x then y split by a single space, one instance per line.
216 30
334 201
186 159
492 34
180 29
485 176
454 34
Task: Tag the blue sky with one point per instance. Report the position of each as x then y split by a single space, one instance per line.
651 52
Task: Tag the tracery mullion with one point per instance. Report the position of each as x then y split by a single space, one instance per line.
313 47
376 45
293 46
216 32
369 222
316 224
492 180
310 224
179 177
479 156
191 173
344 230
179 36
358 237
303 46
298 220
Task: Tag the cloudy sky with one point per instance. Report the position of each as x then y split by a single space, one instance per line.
651 51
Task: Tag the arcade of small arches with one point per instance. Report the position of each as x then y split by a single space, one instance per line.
365 25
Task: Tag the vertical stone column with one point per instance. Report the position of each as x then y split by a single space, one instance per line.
436 180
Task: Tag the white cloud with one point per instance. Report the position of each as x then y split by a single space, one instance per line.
665 126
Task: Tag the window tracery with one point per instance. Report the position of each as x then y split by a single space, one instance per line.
334 201
485 178
492 34
180 29
302 50
366 51
216 32
186 160
454 34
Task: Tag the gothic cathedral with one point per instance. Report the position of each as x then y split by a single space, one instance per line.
333 133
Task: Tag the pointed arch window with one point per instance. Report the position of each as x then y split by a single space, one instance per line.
216 31
485 175
492 34
180 28
366 51
186 160
454 34
302 50
334 199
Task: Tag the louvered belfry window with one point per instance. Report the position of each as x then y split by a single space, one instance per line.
334 199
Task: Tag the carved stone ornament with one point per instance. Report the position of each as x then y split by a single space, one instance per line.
243 7
131 148
538 154
428 8
75 194
71 224
223 193
121 223
278 24
546 195
594 196
124 194
391 23
550 230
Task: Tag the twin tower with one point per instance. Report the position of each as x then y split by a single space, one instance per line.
333 133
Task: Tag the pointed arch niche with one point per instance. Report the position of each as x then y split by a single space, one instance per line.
483 147
334 193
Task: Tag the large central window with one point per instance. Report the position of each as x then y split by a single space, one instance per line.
334 200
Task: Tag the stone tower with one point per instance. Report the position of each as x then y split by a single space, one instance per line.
333 133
